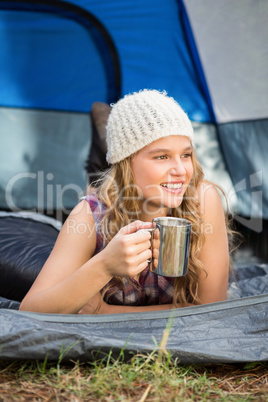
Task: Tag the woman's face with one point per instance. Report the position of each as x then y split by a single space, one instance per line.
162 171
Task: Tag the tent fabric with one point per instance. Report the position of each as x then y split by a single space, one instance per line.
9 304
75 77
64 56
57 58
224 332
233 64
245 146
231 40
63 48
234 330
213 163
44 168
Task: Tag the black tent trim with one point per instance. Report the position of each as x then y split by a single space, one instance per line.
103 39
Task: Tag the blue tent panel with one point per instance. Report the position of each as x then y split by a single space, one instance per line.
53 60
153 50
57 62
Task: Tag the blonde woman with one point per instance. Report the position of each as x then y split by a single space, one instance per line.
99 262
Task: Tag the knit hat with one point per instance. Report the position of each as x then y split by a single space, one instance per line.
141 118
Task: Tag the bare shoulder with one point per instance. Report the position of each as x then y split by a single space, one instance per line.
79 227
81 213
209 199
76 241
74 246
214 253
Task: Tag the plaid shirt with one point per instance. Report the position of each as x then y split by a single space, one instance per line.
151 289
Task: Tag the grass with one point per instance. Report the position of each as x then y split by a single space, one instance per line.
154 377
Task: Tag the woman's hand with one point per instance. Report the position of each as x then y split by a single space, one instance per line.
127 253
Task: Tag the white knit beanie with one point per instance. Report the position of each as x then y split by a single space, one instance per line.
141 118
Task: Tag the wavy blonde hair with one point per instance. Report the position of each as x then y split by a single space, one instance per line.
117 190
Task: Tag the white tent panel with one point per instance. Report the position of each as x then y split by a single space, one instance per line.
232 41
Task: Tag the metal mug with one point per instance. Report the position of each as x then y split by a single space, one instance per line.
171 237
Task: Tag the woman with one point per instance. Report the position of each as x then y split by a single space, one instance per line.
99 262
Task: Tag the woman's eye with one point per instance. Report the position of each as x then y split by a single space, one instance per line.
187 155
161 157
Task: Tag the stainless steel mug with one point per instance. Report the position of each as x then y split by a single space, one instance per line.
170 242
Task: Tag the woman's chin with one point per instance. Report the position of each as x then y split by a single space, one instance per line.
164 204
156 204
172 202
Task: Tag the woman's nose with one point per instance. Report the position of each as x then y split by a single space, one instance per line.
178 169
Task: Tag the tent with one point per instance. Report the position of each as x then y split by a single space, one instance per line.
57 59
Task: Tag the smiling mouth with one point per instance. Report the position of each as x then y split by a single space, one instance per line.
174 186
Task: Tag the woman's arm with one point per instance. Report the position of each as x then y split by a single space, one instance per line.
69 274
71 277
214 254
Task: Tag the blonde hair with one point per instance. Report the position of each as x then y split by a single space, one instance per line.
116 189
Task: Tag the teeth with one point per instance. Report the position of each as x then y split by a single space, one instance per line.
174 186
